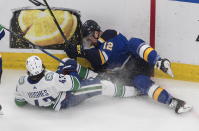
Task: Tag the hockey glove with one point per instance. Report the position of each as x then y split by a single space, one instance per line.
74 51
165 66
67 68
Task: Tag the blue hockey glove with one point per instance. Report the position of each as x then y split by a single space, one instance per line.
69 66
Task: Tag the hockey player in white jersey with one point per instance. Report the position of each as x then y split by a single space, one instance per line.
44 88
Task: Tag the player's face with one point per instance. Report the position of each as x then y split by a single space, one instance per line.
92 38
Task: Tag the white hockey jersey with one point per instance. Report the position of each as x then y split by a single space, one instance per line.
45 92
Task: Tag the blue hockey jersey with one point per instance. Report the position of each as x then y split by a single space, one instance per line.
111 51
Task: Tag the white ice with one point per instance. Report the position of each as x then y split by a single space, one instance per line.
101 113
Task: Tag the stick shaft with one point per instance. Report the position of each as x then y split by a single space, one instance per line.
55 20
36 46
37 3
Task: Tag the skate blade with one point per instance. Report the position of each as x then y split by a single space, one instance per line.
185 109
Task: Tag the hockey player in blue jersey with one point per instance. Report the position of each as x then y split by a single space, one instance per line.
128 62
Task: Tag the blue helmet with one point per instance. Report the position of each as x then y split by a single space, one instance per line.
89 26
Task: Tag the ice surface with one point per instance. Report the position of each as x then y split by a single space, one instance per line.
101 113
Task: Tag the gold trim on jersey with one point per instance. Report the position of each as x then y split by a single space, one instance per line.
102 57
101 40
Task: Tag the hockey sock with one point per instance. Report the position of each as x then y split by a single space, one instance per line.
148 87
145 51
159 94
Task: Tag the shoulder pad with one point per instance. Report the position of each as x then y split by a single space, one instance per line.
108 34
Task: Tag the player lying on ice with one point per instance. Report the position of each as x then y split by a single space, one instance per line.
128 62
64 88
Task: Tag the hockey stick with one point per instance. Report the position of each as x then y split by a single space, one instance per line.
55 21
37 3
60 30
36 46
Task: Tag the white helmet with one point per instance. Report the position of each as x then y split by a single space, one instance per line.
34 65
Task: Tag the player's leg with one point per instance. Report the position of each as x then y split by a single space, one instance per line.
138 47
89 88
145 51
118 90
148 87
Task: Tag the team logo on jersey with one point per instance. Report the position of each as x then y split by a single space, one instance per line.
34 87
49 76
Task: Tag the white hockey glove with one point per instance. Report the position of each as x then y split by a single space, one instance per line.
165 66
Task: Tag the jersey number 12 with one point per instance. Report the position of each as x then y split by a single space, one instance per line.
108 46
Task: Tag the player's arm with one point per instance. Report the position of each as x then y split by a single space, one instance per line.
19 99
96 57
65 82
99 56
71 67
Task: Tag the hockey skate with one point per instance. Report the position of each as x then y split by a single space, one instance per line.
165 66
179 106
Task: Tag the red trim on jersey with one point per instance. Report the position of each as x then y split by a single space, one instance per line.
152 23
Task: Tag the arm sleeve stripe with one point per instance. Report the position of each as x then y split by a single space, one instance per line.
105 56
20 100
20 103
101 40
102 57
147 52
